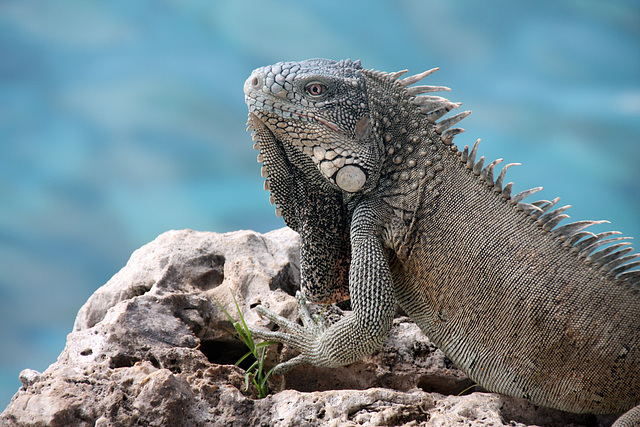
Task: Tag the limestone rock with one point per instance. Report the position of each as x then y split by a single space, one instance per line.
152 347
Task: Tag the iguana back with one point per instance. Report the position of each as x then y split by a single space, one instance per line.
512 306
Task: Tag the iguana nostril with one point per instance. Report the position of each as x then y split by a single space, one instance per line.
254 82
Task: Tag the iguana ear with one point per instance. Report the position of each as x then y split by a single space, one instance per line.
352 178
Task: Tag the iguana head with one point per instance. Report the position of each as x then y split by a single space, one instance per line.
318 108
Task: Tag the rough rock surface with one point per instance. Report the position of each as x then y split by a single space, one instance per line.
152 347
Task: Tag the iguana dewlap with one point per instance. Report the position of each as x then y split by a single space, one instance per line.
361 164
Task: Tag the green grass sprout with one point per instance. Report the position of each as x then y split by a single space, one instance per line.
467 389
256 372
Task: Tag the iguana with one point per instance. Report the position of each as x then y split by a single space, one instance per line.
362 165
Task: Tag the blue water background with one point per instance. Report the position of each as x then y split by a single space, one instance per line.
120 120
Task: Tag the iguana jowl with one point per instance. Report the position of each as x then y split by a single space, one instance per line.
390 212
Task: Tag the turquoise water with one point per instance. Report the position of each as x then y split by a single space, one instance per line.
120 120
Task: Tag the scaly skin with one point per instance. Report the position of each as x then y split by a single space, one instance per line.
389 211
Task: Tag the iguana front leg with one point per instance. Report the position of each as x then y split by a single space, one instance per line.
372 298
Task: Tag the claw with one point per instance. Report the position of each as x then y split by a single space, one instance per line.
283 367
276 318
301 337
307 338
303 311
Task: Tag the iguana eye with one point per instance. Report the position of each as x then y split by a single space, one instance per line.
315 89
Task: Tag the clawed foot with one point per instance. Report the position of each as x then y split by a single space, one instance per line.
305 338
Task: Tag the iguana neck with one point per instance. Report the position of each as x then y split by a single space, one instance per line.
412 146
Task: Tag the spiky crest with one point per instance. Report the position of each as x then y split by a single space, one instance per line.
607 254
